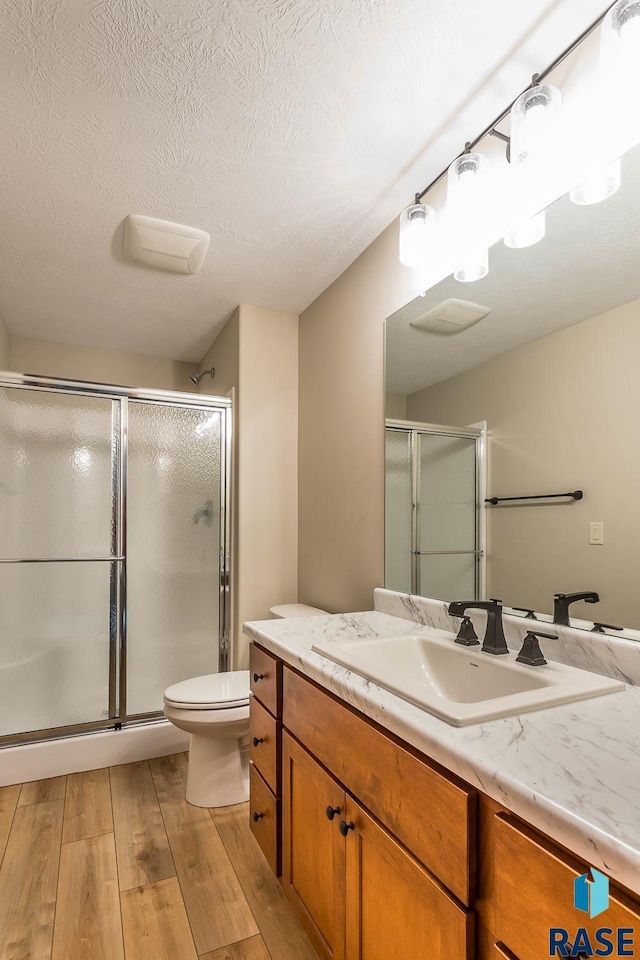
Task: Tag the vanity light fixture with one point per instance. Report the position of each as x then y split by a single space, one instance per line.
416 229
620 38
467 185
528 233
599 186
534 120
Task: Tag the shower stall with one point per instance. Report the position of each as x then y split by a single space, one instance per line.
435 477
114 552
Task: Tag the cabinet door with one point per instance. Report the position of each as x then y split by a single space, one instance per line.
313 867
394 907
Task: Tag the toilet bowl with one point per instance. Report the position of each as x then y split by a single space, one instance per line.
214 711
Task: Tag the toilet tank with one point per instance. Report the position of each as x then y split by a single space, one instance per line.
285 610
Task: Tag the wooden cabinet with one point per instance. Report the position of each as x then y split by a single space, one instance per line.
379 843
359 893
394 907
265 725
534 892
313 849
433 815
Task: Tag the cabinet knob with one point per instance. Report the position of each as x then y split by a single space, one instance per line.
257 816
345 827
331 812
257 740
258 676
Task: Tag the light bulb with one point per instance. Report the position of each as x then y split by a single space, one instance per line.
416 228
527 233
620 52
467 180
598 186
475 267
534 117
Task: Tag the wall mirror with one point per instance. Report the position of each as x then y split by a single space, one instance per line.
545 352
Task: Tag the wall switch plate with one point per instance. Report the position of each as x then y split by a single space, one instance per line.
596 533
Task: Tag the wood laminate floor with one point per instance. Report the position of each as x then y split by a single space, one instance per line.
114 864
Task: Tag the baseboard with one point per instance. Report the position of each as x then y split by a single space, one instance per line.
53 758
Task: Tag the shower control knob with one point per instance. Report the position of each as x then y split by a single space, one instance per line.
257 740
257 816
258 676
331 812
345 827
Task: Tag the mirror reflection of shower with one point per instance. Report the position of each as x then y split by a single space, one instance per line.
197 377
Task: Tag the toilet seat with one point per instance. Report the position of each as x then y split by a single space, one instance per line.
214 691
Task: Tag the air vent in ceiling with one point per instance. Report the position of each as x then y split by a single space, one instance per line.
165 245
450 317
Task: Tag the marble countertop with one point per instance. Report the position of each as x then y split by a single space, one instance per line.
572 771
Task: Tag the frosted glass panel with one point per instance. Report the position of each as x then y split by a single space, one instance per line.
54 645
55 475
398 510
447 493
448 577
173 549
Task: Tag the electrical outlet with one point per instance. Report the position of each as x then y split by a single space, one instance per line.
596 533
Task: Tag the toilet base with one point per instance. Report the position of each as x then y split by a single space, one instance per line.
218 772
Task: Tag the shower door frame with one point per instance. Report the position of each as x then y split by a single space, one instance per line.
121 395
413 428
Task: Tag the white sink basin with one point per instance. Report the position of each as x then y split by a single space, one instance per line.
460 684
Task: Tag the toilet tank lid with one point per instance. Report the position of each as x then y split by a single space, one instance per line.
285 610
232 687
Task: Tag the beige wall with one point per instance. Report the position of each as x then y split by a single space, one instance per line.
341 467
5 346
102 366
256 355
562 414
395 406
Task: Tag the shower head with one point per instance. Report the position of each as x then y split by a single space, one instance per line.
198 376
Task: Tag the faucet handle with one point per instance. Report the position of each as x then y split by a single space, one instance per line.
467 636
531 654
601 627
529 614
495 600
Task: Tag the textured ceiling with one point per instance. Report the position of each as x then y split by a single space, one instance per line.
293 131
586 264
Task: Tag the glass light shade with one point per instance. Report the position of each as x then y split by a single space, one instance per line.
620 33
534 117
416 226
467 180
475 267
599 186
527 233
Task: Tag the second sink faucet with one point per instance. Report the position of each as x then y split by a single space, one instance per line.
562 601
494 641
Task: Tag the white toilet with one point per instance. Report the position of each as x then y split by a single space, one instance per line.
214 711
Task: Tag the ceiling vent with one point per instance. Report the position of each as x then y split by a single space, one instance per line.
165 245
450 317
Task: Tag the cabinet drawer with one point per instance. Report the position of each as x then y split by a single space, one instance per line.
432 815
264 744
266 679
265 819
534 885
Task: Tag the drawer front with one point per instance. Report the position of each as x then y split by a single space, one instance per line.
534 884
264 813
431 815
264 744
266 679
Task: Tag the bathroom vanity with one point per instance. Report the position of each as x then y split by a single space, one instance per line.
398 835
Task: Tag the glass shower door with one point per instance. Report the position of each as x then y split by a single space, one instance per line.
58 569
175 548
447 522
